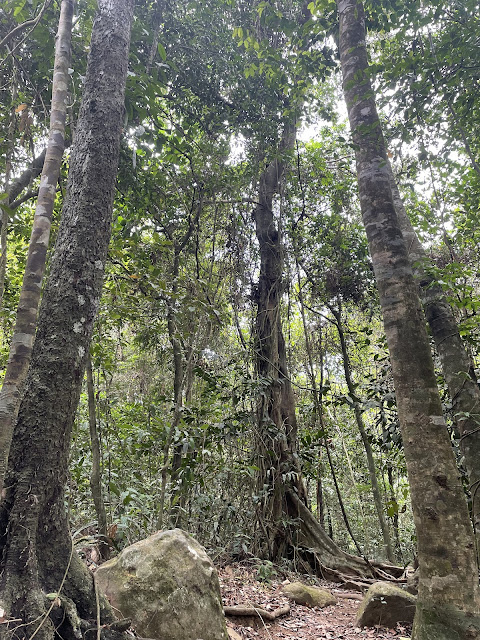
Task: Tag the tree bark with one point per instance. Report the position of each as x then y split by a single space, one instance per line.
24 179
393 500
26 321
180 367
448 598
456 364
35 543
4 212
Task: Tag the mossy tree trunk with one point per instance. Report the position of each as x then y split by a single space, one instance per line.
448 597
35 543
456 363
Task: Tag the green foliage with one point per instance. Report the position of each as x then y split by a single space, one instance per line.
266 571
202 118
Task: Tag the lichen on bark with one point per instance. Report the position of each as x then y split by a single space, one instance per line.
35 543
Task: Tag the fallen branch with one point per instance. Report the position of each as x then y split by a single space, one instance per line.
347 596
245 610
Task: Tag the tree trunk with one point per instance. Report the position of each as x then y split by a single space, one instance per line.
26 321
35 543
393 501
456 363
280 486
276 420
377 496
4 212
448 599
96 474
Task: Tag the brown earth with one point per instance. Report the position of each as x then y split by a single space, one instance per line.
240 586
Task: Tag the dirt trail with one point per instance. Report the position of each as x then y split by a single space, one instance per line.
240 586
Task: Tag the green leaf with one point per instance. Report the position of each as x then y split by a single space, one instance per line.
161 51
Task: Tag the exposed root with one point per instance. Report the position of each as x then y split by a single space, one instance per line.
246 610
347 596
317 552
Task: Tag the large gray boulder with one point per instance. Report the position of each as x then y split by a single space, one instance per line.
168 586
385 604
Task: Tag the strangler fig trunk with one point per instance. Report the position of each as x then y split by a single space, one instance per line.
276 419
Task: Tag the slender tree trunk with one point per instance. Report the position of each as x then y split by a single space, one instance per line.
358 498
156 26
456 363
178 386
448 598
393 500
182 381
24 179
4 213
322 506
35 543
96 474
320 494
317 399
24 332
377 496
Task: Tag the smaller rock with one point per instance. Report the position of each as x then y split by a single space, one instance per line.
385 604
309 596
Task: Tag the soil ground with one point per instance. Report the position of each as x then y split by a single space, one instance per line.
240 585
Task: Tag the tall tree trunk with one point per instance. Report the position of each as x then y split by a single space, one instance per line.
276 419
280 485
179 381
448 598
393 500
456 364
24 332
377 496
35 544
178 387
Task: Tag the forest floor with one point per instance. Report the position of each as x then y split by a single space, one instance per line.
240 585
